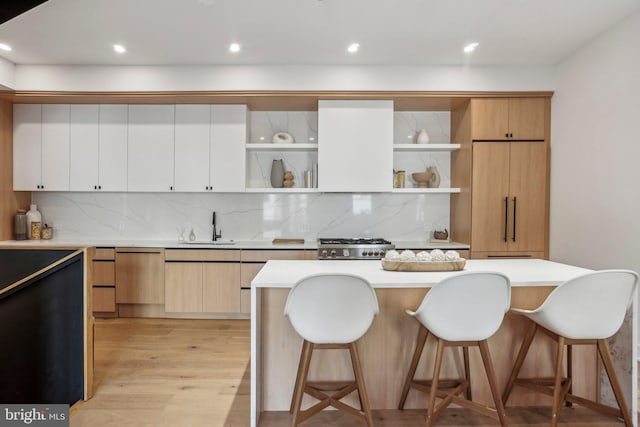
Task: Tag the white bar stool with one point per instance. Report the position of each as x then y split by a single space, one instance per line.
463 310
330 311
585 310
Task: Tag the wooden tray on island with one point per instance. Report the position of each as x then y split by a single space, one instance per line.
393 265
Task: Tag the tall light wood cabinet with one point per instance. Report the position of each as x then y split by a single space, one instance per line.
503 207
509 197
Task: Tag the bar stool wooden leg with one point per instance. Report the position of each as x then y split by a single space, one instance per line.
423 333
568 403
605 354
557 389
296 385
524 349
467 370
301 381
434 383
493 383
362 390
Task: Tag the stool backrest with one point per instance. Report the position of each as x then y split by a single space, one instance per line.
591 306
469 306
331 308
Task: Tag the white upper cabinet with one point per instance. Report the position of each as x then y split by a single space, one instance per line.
27 147
151 147
228 139
84 141
98 147
41 147
113 147
355 149
55 147
209 148
192 147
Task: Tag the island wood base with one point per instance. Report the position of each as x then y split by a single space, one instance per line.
387 348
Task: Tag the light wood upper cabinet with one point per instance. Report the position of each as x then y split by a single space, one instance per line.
509 197
151 147
139 276
520 119
355 148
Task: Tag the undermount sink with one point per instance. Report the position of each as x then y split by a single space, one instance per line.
210 243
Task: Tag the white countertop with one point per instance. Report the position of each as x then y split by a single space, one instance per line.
240 244
521 272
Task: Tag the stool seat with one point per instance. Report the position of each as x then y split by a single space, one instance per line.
464 310
330 311
585 310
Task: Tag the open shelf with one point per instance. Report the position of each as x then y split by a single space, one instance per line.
281 147
426 190
281 190
425 147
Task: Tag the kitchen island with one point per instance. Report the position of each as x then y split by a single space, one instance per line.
387 347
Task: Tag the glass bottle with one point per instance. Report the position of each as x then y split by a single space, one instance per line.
20 225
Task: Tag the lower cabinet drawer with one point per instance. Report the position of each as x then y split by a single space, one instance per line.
104 299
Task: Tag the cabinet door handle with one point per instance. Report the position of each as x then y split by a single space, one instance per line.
506 135
506 215
514 219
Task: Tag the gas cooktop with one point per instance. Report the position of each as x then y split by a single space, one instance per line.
353 248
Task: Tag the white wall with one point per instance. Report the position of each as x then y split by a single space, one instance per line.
210 78
595 168
595 159
7 74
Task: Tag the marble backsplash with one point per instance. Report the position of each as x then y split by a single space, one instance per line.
243 216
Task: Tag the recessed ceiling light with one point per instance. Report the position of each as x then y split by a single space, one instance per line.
353 47
470 47
119 48
234 47
5 47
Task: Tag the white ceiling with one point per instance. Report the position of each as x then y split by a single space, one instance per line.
390 32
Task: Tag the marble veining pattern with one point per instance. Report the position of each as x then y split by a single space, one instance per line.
243 216
302 125
407 124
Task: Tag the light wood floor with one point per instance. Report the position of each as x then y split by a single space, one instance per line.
162 372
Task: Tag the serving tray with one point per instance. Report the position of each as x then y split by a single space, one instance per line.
393 265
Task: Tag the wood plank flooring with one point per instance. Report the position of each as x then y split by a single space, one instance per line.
170 372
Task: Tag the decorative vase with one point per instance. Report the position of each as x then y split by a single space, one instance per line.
277 174
423 137
434 180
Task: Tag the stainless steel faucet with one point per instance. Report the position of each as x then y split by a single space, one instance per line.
216 235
